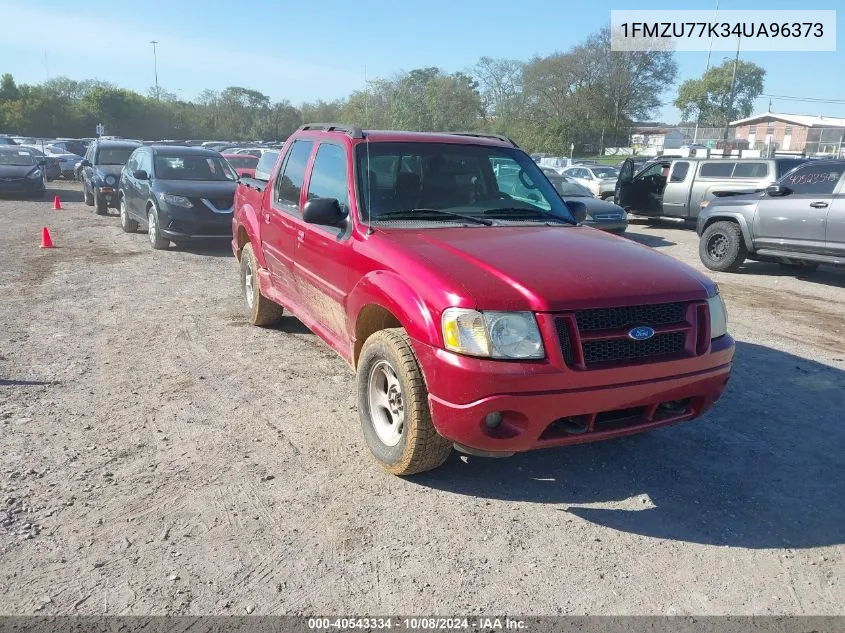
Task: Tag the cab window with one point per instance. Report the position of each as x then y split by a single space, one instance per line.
679 171
289 182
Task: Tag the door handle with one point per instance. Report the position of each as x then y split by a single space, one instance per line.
266 218
300 236
818 205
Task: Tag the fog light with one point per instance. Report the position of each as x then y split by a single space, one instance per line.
493 420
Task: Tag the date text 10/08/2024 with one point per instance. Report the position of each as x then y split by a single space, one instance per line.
417 623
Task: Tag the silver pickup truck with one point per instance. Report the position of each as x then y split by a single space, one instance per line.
677 187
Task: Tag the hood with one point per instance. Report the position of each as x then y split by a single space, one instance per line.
196 188
592 205
16 171
543 269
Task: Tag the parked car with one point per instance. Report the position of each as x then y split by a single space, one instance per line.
473 317
265 165
243 164
679 187
101 169
179 193
6 140
798 222
558 163
67 162
598 179
599 214
52 167
68 146
21 172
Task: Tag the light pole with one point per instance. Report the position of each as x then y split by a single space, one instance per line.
155 66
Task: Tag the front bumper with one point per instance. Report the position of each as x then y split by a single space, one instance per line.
608 225
538 401
107 195
198 222
20 186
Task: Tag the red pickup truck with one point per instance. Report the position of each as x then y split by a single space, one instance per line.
475 310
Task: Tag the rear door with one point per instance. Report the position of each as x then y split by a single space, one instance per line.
281 219
143 186
835 230
676 192
798 221
321 260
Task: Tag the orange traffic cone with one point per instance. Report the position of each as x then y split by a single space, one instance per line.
46 240
57 204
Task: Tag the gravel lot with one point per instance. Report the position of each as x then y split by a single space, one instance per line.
159 456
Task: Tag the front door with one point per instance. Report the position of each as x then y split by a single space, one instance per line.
835 234
643 194
282 219
322 271
798 220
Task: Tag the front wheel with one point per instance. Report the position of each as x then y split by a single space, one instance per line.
262 311
393 406
722 248
158 242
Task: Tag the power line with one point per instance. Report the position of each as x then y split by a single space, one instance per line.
808 99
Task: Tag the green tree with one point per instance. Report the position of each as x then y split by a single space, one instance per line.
717 97
8 88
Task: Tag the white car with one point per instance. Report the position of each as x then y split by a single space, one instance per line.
599 179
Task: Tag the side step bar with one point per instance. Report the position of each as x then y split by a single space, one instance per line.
810 257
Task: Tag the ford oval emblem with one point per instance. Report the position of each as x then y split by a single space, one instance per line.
641 333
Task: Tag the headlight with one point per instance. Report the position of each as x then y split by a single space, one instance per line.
110 180
176 201
718 316
509 335
703 204
35 175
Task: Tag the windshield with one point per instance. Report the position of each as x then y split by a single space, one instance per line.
114 155
571 189
18 157
472 180
605 172
192 167
242 161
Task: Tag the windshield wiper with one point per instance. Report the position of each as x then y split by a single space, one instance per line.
542 212
413 213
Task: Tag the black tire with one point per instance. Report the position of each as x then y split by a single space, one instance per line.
722 248
800 266
126 223
100 206
262 311
419 446
158 242
89 199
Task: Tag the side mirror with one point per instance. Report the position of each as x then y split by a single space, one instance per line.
777 190
140 174
324 211
85 162
578 210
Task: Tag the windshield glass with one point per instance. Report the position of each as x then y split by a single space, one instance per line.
243 161
571 189
605 172
471 180
114 155
17 157
192 167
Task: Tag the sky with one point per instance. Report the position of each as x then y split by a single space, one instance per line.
324 49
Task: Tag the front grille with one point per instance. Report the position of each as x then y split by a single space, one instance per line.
616 318
622 349
565 341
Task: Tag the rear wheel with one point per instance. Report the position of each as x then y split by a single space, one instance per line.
262 311
722 248
393 406
126 223
158 242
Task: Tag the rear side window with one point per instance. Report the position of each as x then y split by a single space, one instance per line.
679 172
289 185
328 177
814 179
751 170
785 166
717 170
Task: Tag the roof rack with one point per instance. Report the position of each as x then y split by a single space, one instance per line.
498 137
351 130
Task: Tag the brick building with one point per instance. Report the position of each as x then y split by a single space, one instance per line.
812 135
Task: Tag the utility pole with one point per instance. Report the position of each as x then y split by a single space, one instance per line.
706 68
731 91
155 66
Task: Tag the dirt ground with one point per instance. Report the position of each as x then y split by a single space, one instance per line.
159 456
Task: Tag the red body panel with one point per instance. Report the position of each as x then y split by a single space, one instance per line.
549 270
